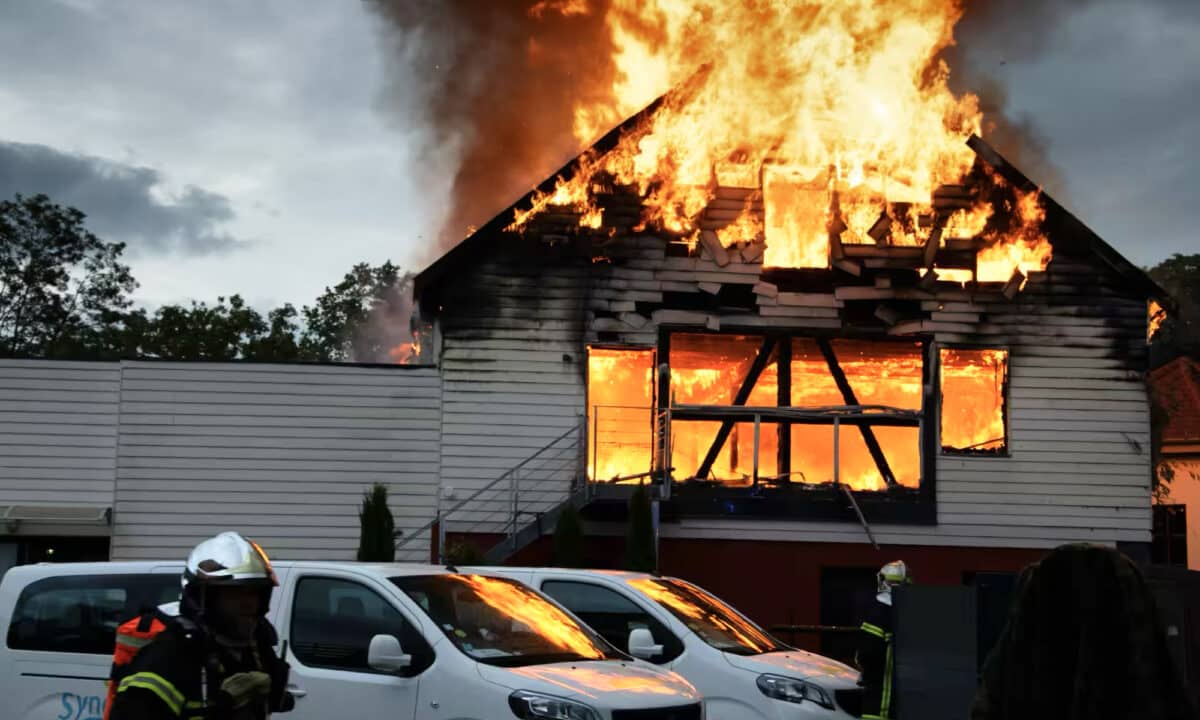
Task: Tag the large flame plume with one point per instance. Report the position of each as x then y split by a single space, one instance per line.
839 112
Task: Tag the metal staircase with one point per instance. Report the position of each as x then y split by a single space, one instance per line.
520 505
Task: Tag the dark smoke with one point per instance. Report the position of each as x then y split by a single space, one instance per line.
501 83
990 35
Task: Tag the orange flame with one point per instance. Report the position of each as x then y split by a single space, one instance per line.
836 110
406 352
973 383
525 606
709 369
1156 315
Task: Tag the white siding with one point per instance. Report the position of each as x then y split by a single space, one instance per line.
58 435
281 452
512 366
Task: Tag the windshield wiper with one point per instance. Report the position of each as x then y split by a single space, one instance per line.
539 659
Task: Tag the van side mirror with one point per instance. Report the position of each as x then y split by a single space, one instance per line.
385 655
641 644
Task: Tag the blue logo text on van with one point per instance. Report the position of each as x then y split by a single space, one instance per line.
81 707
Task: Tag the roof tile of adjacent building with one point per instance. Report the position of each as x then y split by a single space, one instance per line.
1176 386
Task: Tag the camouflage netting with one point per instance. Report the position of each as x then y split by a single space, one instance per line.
1083 642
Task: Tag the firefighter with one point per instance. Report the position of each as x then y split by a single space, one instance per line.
875 655
216 661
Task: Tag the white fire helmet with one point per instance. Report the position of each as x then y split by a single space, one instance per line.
889 576
225 560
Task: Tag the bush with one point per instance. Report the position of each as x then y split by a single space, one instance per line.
377 533
568 539
639 540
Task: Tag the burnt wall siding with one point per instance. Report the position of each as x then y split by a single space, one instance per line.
280 452
1079 462
58 437
513 363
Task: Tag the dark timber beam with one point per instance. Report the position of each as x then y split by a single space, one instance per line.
785 400
743 394
868 434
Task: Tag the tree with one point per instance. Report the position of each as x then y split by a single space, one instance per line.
639 540
568 539
377 530
59 283
363 318
1179 334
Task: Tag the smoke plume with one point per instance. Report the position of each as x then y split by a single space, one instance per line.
501 79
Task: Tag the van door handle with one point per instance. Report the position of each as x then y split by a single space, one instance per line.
296 692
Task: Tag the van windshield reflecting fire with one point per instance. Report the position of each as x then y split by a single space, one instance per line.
502 622
715 622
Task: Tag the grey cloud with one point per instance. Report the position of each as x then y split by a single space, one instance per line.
120 200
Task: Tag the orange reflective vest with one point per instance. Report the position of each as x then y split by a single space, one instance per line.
131 638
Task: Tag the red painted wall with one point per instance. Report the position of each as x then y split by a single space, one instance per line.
779 583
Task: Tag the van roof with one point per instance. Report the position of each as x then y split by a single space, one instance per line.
131 566
579 572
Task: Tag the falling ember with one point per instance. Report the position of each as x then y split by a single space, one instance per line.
973 388
527 607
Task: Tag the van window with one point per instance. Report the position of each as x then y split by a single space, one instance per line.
334 620
81 613
713 621
503 622
612 615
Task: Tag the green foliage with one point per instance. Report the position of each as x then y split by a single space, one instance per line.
361 318
377 542
1179 335
568 539
60 285
65 294
463 552
639 539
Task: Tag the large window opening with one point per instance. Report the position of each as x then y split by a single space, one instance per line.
752 410
973 394
620 396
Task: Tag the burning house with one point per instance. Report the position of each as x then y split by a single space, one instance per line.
819 316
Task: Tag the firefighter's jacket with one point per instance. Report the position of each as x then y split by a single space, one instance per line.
178 676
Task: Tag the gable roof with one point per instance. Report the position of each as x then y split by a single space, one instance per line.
466 251
1176 388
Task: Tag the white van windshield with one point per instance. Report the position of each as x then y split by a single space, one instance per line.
502 622
712 620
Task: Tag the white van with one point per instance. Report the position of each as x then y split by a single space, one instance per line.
395 641
740 670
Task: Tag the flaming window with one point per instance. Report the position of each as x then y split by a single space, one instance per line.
620 413
779 410
974 415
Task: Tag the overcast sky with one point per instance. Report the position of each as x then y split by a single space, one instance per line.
245 147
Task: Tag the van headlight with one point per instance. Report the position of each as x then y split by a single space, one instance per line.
536 706
792 690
